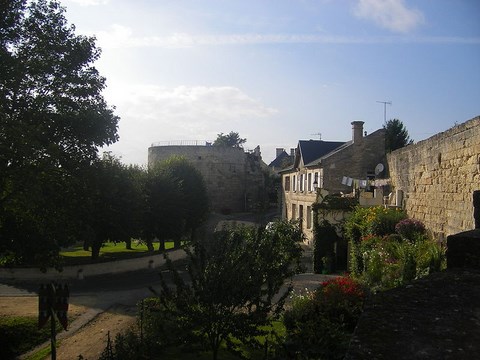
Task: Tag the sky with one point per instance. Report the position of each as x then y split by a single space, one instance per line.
279 71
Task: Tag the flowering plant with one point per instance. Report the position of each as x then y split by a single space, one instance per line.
342 289
409 228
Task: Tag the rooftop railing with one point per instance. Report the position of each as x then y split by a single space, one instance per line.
183 143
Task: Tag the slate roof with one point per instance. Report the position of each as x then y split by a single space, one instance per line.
279 161
311 150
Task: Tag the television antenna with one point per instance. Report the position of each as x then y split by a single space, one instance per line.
319 135
385 103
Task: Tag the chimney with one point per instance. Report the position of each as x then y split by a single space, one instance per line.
292 152
357 132
279 152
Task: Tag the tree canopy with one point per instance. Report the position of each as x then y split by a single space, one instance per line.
53 118
193 188
396 135
231 139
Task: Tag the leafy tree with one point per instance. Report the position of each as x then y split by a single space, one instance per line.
164 212
52 120
231 139
396 135
234 286
114 204
194 190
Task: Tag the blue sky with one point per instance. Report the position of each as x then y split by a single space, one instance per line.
279 71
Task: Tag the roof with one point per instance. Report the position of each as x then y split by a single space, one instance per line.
311 150
280 160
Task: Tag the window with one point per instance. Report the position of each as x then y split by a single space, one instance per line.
302 182
309 217
309 182
294 183
294 211
300 214
287 183
319 178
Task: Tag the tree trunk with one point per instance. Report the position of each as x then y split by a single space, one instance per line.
128 244
96 246
149 245
176 243
161 245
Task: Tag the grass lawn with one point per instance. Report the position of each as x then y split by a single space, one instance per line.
19 334
76 255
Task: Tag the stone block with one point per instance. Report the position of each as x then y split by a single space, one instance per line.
463 250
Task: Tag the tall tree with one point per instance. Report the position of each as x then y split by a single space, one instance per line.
164 212
396 135
231 139
53 118
194 190
113 204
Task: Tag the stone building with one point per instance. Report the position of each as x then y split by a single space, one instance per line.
282 160
235 179
325 165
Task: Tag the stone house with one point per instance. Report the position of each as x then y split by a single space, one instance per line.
330 166
282 160
235 178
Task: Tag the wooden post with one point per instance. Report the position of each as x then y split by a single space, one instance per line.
53 330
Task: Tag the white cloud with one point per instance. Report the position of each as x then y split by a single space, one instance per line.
390 14
122 37
152 113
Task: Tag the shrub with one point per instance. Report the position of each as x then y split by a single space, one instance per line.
385 220
320 323
410 228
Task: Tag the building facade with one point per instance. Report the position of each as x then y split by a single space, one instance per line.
332 167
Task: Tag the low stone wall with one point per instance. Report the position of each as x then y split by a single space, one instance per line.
81 271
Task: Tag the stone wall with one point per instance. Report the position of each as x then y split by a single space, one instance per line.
438 176
234 179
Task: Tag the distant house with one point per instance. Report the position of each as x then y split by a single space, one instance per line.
282 160
326 165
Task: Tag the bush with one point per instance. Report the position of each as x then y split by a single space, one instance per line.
410 228
320 323
387 262
20 334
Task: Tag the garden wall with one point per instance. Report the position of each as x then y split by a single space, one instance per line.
438 176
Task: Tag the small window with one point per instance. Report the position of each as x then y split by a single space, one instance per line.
309 217
287 183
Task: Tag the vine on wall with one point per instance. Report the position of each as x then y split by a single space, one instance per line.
325 233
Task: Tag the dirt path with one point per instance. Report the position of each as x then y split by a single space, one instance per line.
90 339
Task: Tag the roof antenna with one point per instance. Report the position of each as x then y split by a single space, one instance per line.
319 135
385 109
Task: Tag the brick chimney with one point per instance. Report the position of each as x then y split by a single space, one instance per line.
357 132
279 152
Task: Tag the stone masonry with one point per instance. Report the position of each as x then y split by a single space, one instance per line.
234 179
438 177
